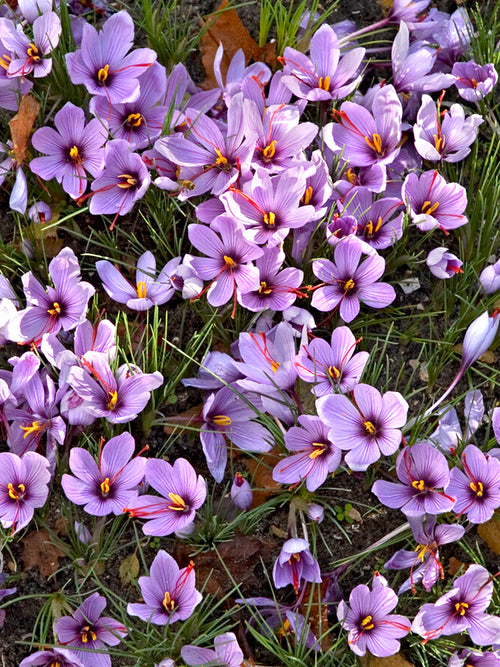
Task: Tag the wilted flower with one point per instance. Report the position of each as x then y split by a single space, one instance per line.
443 264
294 563
227 653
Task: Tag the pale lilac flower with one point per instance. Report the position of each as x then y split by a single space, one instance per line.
433 202
40 212
53 657
217 369
32 9
182 493
331 366
169 592
368 428
73 149
348 282
407 10
109 485
443 264
469 658
448 434
148 291
462 608
87 629
241 492
490 278
294 564
238 74
477 488
102 63
474 81
31 54
227 653
370 624
315 512
422 471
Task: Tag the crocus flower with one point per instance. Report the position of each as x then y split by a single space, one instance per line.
443 264
32 9
109 485
331 366
469 658
227 652
31 54
294 563
462 608
349 283
40 212
316 456
322 76
23 488
315 512
448 434
102 63
169 592
148 291
490 278
477 488
433 202
424 561
370 624
422 471
182 493
367 429
241 492
51 658
72 149
87 629
474 81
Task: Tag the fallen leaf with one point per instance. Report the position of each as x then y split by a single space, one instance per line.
21 126
354 515
397 660
455 565
490 532
129 569
39 550
263 484
316 612
488 357
179 421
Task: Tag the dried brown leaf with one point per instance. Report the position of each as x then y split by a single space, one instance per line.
316 612
263 484
21 126
129 569
39 550
183 419
397 660
490 532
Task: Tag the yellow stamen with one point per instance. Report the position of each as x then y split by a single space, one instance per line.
351 176
32 52
5 61
418 484
221 160
222 420
369 428
113 400
371 229
103 73
307 195
367 624
168 602
105 486
275 365
264 289
349 285
319 450
333 372
375 142
422 550
270 219
229 261
438 142
135 119
474 83
33 428
74 153
269 151
178 503
15 495
129 181
295 557
85 632
461 608
55 310
284 629
478 488
324 83
141 289
428 208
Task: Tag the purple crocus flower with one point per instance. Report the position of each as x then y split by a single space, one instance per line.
462 608
443 264
124 180
227 653
445 135
422 471
347 282
468 658
102 63
55 657
71 150
433 202
31 54
331 366
24 487
109 485
370 624
477 489
364 139
87 629
294 563
474 81
182 493
368 428
490 278
241 492
63 306
169 592
40 213
448 434
322 76
148 291
424 561
316 455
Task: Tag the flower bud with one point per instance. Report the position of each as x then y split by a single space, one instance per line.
443 264
315 512
490 278
241 493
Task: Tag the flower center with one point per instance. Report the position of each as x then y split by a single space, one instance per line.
55 310
222 162
113 400
418 484
270 219
428 208
141 289
351 176
178 503
324 83
168 602
295 557
369 428
438 142
16 493
32 52
478 488
333 372
461 608
34 427
105 487
474 83
307 195
74 154
349 285
229 261
129 181
319 450
222 420
269 151
135 119
85 632
371 228
367 623
264 288
375 142
103 73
